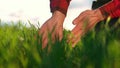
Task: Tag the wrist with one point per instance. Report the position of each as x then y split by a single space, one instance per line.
99 14
58 14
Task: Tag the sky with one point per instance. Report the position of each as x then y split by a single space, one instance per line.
39 11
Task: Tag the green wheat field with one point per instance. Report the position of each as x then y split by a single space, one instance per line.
20 47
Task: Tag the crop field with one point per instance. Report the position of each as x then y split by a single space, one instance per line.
20 47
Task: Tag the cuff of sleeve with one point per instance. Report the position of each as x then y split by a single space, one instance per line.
60 5
58 9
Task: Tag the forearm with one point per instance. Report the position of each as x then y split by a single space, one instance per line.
111 9
59 5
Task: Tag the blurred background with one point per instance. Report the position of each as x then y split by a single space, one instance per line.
21 47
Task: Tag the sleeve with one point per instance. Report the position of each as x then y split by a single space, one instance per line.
60 5
111 9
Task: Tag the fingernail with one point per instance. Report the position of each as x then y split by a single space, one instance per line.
74 22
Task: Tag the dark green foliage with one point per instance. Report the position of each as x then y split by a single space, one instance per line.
20 47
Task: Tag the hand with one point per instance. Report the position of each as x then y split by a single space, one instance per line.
54 25
84 22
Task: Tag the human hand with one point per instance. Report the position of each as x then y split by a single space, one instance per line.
54 25
84 22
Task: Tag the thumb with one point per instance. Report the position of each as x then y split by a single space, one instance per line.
75 21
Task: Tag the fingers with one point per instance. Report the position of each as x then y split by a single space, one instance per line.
78 19
49 35
75 21
74 39
44 38
77 28
81 17
77 32
60 35
44 43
